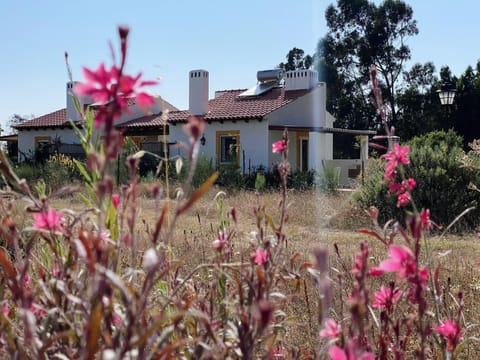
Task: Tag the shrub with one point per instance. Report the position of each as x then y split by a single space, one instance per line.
230 176
443 181
260 181
329 179
301 180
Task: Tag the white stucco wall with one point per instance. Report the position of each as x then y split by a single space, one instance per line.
307 111
254 147
26 138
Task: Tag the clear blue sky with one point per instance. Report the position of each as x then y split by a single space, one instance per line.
230 39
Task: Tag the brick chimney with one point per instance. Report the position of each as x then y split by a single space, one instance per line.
198 92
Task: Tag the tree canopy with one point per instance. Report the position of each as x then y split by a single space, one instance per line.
296 60
362 34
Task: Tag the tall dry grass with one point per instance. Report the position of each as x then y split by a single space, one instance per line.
313 219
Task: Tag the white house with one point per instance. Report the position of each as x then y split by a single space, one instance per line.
55 127
243 124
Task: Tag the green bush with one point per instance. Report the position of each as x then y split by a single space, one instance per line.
329 180
442 182
203 171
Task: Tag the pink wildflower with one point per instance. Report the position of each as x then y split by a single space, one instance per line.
117 320
396 189
425 219
332 329
26 281
56 271
386 298
277 353
398 155
112 88
220 242
261 257
403 199
37 310
279 146
5 309
350 353
451 332
99 83
410 183
48 221
375 272
115 201
390 172
401 261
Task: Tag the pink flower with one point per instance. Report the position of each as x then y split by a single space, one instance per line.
396 189
398 154
425 219
403 199
56 271
386 298
5 309
115 201
401 261
279 146
26 281
375 272
99 83
220 242
48 221
37 310
410 183
277 353
117 320
390 172
350 353
332 329
450 331
112 88
261 257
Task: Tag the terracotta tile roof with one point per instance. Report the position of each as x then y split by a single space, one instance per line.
229 106
59 118
144 122
54 119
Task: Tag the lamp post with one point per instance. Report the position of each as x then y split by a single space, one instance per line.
446 95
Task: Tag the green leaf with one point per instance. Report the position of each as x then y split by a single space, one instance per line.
83 170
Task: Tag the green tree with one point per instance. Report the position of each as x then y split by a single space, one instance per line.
17 119
296 60
362 34
418 105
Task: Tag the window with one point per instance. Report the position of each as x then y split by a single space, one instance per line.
302 151
228 147
42 148
42 142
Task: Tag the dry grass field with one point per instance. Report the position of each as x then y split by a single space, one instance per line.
313 220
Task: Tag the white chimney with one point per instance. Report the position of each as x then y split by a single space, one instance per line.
301 79
72 113
198 92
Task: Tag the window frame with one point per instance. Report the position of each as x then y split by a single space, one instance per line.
219 151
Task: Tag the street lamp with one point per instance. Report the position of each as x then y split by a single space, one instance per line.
446 94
